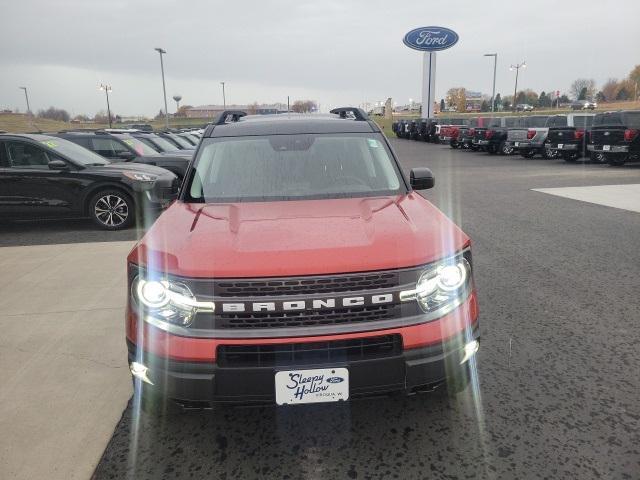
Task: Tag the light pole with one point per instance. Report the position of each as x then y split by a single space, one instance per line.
107 89
26 96
224 98
164 89
495 63
517 68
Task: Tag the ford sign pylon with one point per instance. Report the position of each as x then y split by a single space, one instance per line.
429 40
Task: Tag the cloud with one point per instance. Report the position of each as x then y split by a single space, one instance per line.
334 51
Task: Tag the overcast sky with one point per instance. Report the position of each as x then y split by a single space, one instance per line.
332 51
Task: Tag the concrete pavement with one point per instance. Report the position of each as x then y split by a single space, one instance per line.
64 380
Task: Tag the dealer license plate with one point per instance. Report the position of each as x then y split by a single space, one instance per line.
517 144
560 145
312 386
606 148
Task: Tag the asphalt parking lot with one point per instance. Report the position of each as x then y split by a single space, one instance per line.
558 383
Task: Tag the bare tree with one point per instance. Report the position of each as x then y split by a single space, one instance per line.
579 84
610 89
457 97
303 106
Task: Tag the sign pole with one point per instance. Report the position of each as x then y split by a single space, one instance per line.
428 83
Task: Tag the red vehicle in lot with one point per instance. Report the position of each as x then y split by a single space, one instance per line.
299 265
450 131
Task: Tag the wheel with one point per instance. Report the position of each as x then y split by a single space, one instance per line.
528 153
615 159
570 157
506 149
548 154
112 209
597 157
454 144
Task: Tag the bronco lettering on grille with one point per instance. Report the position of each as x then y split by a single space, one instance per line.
311 304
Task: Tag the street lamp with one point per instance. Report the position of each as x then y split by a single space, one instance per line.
495 62
517 68
26 96
164 89
107 89
224 98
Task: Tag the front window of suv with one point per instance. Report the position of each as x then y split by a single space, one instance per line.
294 167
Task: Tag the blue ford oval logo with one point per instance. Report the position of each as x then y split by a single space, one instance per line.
335 379
431 39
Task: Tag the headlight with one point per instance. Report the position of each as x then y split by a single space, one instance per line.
442 285
140 177
168 301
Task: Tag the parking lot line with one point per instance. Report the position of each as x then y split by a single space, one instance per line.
626 197
64 377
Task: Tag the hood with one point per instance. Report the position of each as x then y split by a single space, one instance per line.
262 239
134 167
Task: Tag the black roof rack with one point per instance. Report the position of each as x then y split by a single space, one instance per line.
358 113
229 116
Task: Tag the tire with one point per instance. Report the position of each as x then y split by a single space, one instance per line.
615 159
454 144
570 157
548 154
597 157
505 149
112 209
474 148
530 153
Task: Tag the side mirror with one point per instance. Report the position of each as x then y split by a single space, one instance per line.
58 165
422 178
126 156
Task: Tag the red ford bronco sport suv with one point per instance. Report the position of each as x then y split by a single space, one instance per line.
298 265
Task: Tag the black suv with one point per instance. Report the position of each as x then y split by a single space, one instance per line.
121 145
42 176
616 136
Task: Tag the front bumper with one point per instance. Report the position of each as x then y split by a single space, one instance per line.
612 148
202 384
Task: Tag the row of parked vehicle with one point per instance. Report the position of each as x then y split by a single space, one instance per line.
608 137
113 176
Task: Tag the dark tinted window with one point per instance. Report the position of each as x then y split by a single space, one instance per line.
632 119
613 119
536 122
107 147
26 155
4 160
557 121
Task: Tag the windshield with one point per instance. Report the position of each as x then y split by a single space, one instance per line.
162 144
180 141
73 151
193 140
141 148
294 167
632 119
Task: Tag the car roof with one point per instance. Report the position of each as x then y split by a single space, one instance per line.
290 124
38 137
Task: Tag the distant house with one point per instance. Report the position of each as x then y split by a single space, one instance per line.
211 111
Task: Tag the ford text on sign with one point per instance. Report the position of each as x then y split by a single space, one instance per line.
430 39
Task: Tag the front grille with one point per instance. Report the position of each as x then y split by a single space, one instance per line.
298 354
306 285
306 318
